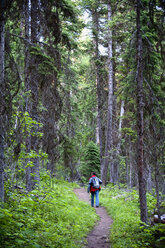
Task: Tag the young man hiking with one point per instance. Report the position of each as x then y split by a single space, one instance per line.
94 188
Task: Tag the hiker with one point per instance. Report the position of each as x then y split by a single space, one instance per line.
94 188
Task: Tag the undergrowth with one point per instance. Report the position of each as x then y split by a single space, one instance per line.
127 230
51 216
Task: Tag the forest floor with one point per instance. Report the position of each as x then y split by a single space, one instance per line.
99 236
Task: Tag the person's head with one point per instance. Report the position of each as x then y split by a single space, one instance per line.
93 174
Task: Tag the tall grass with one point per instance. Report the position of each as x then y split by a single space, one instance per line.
127 230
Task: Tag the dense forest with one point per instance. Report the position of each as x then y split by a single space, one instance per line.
82 89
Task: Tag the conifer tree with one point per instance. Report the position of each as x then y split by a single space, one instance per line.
91 160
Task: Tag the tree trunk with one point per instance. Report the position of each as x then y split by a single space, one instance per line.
27 87
129 183
109 141
120 123
149 178
99 132
70 130
130 175
34 86
2 103
118 146
140 152
31 84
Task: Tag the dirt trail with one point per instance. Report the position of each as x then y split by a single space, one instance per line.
99 236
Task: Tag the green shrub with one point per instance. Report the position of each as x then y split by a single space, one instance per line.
49 217
127 230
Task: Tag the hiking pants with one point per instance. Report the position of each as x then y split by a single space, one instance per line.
93 194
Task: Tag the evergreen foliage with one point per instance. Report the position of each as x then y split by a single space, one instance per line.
91 162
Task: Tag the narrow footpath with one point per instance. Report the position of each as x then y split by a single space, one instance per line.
99 236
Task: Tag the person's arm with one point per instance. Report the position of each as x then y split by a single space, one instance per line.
89 185
100 181
88 189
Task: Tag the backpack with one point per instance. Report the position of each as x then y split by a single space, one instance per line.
95 182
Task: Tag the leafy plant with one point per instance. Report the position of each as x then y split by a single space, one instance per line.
49 217
127 229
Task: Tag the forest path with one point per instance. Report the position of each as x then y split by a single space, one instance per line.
99 236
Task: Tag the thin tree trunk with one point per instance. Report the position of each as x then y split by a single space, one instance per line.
120 122
157 188
130 175
130 166
127 173
140 127
99 135
118 148
27 88
109 141
34 81
149 178
69 127
31 84
2 103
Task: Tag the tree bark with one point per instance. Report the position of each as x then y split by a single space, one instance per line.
99 132
109 141
34 87
140 125
117 151
27 87
131 162
31 84
149 177
2 103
